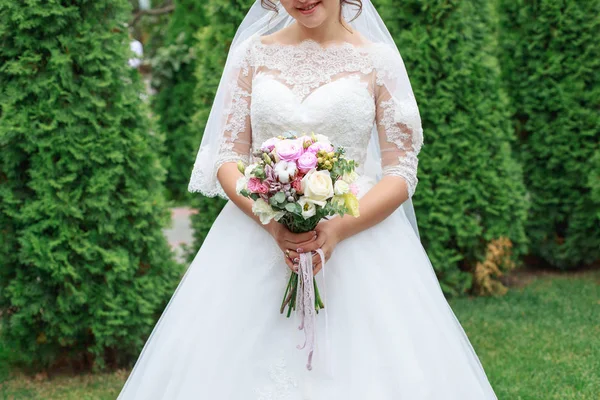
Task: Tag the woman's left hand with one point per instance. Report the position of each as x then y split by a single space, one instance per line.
327 240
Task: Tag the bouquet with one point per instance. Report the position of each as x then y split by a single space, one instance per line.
298 180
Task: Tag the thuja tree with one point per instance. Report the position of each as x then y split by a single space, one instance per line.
470 201
85 268
214 39
551 63
173 69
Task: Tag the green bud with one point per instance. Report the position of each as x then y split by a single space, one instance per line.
241 166
267 159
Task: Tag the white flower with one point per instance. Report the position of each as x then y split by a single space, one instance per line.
322 139
350 177
317 186
249 169
308 207
285 170
341 187
240 184
265 212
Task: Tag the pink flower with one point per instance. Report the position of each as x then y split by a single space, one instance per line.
297 183
354 189
307 161
314 148
289 150
256 186
305 139
269 144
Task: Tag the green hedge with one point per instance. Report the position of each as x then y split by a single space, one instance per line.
223 17
173 77
551 60
85 268
471 193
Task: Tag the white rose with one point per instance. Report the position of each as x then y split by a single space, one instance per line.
240 184
317 186
308 207
341 187
350 177
285 170
265 212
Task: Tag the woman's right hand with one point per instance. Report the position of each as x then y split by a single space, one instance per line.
287 240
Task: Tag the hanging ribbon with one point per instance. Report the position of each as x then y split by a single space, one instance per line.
305 301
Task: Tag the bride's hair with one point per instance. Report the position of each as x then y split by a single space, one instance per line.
270 5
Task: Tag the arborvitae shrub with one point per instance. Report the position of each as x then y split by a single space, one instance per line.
471 191
551 62
174 79
85 268
223 17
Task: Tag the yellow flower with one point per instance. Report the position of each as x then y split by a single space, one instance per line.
351 202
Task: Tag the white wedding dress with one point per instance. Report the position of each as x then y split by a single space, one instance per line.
388 334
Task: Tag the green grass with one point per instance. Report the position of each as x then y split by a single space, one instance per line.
541 342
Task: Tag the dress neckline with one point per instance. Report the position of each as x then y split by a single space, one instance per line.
311 44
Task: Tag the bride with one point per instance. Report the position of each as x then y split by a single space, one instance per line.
329 67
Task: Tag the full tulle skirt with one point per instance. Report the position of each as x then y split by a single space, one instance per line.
388 333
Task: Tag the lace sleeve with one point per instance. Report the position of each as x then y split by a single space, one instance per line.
228 134
237 133
400 134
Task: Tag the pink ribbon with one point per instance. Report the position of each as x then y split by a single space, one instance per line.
305 301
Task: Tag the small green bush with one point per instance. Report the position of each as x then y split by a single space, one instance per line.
551 60
173 69
85 269
471 190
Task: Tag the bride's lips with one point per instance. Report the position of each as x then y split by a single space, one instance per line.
311 10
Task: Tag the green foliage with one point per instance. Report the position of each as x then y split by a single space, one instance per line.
551 60
470 188
85 269
213 41
594 182
173 77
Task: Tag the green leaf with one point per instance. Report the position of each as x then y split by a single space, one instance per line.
294 208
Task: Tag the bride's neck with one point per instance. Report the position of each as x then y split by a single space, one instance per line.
329 31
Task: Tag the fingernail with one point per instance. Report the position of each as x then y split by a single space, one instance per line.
296 260
299 250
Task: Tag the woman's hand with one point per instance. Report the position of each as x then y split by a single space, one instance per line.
291 243
326 239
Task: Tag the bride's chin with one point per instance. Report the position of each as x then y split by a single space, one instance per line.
313 19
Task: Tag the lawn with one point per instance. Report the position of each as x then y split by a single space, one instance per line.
539 342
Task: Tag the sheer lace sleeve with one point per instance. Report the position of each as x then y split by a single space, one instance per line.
400 132
237 132
228 133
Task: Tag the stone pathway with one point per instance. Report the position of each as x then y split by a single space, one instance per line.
180 231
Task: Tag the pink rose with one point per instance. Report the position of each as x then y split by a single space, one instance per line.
297 183
314 148
307 161
269 144
256 186
354 189
289 150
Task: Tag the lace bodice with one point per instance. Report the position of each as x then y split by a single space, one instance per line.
339 91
